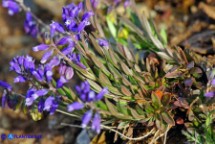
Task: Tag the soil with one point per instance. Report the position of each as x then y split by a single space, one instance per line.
189 24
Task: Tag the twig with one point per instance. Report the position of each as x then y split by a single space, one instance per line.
72 125
154 137
129 138
117 132
27 9
165 136
113 130
158 137
69 114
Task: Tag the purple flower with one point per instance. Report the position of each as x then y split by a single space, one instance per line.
94 3
54 26
213 83
127 3
86 118
71 24
12 101
33 94
30 25
29 99
40 47
87 15
91 96
19 79
69 73
209 94
12 6
71 11
83 88
55 61
116 2
41 105
82 25
69 49
96 123
101 94
5 85
22 65
61 82
48 74
62 69
39 93
37 76
4 99
77 37
65 40
44 73
75 106
76 58
50 105
188 82
46 56
28 63
103 42
88 95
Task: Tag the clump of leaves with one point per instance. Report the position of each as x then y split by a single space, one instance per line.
202 133
148 81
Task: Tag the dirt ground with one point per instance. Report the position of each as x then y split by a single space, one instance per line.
189 24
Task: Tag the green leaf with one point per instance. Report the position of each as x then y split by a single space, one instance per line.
99 64
125 91
113 110
61 91
94 85
165 100
69 93
96 45
132 80
116 74
126 69
122 107
111 27
104 79
156 103
196 72
101 105
114 90
163 35
160 125
167 118
136 115
84 72
123 125
174 74
148 108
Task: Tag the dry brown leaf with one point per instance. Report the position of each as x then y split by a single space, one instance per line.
209 10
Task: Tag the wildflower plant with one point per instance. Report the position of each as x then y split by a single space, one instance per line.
128 75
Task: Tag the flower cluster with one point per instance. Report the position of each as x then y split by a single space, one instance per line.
23 66
70 16
12 6
88 95
11 101
211 93
7 88
30 25
66 74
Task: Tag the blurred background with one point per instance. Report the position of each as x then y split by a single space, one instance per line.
187 23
